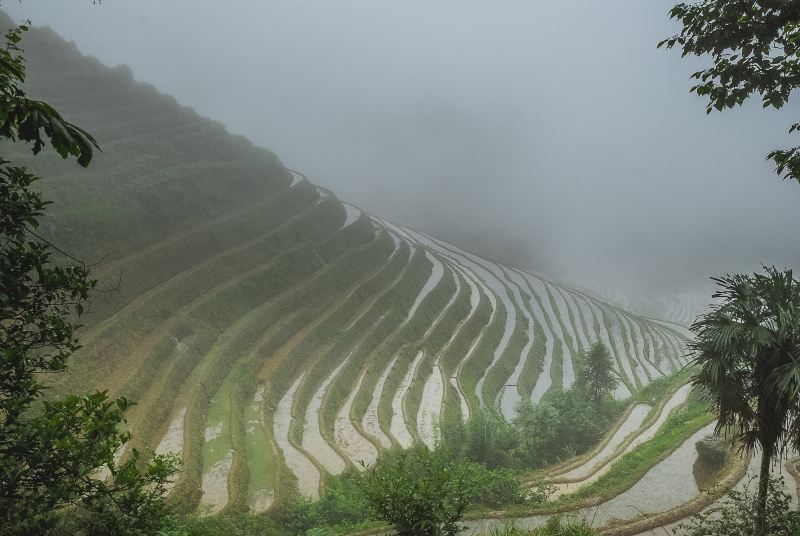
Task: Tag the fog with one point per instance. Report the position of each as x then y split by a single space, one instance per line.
549 135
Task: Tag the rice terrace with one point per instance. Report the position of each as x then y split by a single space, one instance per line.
281 344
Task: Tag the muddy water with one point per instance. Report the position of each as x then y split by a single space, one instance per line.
668 484
509 395
351 215
398 426
313 441
437 272
676 400
307 474
749 481
431 408
370 420
356 447
544 381
261 500
635 419
172 442
215 485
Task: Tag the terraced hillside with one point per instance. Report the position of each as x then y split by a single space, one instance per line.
272 334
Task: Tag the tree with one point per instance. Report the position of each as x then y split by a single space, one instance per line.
486 438
755 48
598 374
421 492
747 349
564 424
51 450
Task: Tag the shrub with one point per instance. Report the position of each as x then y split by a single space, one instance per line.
233 525
500 487
735 515
421 492
52 449
555 526
341 504
565 424
485 439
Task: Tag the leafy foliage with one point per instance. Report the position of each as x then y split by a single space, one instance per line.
565 424
555 526
345 502
239 524
755 48
748 353
421 492
342 503
486 438
598 376
736 514
51 450
28 120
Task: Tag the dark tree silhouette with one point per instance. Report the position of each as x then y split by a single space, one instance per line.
52 451
748 352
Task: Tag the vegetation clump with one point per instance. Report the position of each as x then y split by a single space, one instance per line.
598 377
739 512
58 455
754 49
555 526
747 354
562 425
421 492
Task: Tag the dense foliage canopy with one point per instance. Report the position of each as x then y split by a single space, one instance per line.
748 354
598 377
420 492
755 48
55 454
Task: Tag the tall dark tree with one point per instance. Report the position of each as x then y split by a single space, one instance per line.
598 375
747 350
755 49
53 452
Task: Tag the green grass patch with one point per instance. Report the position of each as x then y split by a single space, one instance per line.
258 452
217 430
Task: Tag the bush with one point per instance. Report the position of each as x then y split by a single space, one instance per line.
500 487
735 515
341 504
229 525
563 425
566 424
555 526
421 492
485 439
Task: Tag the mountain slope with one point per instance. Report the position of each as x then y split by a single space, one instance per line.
271 333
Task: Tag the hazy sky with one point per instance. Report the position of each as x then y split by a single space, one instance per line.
548 134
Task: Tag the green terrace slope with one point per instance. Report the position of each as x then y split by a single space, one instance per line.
272 334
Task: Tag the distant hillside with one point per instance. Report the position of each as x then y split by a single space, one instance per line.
271 333
162 166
